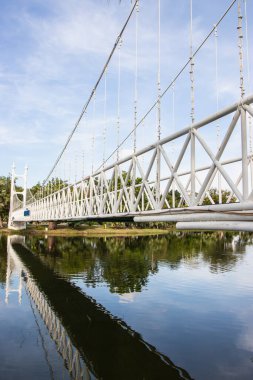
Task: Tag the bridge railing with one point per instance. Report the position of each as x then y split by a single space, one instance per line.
177 172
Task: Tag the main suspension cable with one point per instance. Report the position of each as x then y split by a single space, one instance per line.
92 92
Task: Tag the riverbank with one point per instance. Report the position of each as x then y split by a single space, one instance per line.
92 231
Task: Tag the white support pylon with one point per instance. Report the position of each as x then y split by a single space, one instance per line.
14 193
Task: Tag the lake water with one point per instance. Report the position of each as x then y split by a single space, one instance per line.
178 306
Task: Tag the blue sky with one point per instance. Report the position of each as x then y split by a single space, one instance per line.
52 52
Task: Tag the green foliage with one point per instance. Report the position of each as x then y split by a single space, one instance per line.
3 259
128 183
169 198
5 188
52 186
214 194
126 264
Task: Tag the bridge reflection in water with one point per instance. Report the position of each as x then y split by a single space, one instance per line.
92 343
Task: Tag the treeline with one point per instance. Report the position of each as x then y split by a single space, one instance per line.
56 184
104 257
5 189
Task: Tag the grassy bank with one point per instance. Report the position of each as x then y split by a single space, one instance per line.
92 231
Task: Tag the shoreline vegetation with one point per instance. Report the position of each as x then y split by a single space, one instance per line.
90 230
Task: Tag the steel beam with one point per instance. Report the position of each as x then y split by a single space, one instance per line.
205 216
214 226
193 183
220 167
219 153
249 109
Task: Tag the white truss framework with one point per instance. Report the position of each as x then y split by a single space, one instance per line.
127 188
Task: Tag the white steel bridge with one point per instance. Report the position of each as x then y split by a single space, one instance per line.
200 177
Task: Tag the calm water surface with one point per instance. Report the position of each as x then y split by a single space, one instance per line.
174 307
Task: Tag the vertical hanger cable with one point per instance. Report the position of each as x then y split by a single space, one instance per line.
159 75
105 124
192 68
93 134
240 46
118 97
248 70
136 75
217 105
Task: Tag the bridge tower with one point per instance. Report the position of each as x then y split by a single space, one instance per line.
17 198
13 270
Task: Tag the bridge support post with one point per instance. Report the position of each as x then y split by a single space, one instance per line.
193 190
158 174
13 197
132 197
115 189
245 180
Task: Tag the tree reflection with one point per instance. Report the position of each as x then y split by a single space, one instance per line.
3 260
125 264
110 348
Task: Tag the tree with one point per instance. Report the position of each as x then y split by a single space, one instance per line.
169 198
52 186
214 194
5 191
5 188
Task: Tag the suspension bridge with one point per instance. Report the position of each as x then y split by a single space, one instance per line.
199 175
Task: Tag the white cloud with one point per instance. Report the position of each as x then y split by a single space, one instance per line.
127 297
21 137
